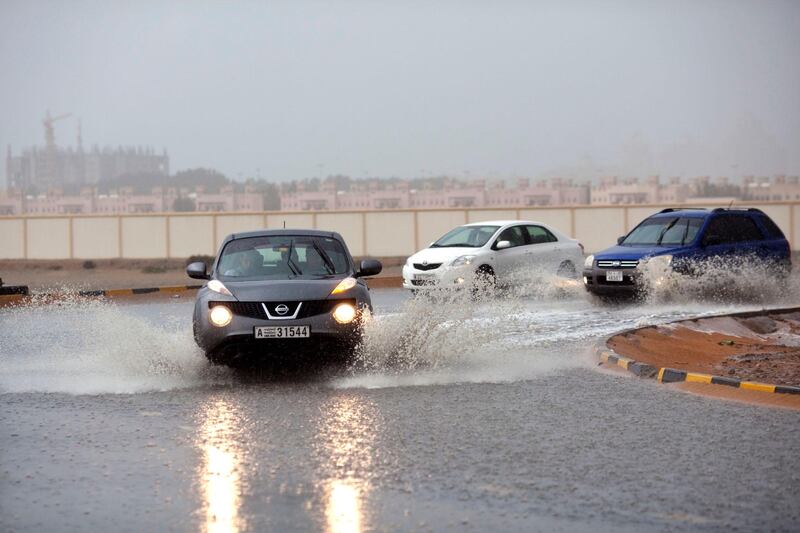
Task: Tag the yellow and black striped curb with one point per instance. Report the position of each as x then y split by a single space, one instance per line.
672 375
107 293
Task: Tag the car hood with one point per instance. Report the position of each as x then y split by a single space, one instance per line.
635 252
282 290
442 255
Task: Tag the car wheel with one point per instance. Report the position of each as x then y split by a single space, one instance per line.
485 280
567 270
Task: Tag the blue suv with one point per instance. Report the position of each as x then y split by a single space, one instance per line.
683 239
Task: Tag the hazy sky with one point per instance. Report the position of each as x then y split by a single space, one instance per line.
298 89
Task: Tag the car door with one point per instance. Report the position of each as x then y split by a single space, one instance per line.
512 259
731 239
542 251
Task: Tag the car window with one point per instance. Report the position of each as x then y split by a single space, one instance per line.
773 231
664 231
466 236
282 257
538 235
728 229
514 235
683 231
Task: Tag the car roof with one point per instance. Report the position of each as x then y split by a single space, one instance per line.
702 212
691 213
278 232
503 222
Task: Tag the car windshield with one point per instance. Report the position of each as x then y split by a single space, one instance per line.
282 257
466 237
664 231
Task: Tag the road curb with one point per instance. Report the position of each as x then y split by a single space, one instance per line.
6 301
672 375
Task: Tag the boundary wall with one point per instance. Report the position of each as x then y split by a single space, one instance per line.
388 233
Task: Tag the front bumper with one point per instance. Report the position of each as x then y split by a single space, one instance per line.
444 277
238 338
594 280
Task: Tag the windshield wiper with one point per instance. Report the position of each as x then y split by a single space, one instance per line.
685 234
295 269
665 230
324 255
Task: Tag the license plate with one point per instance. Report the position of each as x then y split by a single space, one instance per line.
424 277
614 275
282 332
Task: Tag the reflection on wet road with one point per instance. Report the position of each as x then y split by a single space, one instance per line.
220 439
345 431
459 417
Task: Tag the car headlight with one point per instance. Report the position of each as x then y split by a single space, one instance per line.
345 285
660 260
220 316
463 260
344 313
217 286
589 262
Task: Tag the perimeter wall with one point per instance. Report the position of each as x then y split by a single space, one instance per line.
390 233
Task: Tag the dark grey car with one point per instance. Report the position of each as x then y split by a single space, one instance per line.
277 293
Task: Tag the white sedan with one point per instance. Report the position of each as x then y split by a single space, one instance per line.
501 251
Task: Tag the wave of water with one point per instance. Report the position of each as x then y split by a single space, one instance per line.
545 324
88 346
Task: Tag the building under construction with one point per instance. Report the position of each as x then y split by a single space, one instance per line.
52 166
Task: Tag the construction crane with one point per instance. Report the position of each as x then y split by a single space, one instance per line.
49 134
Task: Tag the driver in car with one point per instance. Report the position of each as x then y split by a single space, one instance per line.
245 264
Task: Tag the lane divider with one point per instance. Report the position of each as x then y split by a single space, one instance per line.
672 375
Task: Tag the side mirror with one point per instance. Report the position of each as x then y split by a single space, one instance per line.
620 240
712 240
369 267
197 271
502 245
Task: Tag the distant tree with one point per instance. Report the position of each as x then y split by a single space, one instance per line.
209 178
272 197
184 205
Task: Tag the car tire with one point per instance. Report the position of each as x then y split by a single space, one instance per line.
485 280
567 270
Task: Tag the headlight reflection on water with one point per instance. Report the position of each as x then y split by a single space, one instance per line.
343 508
220 476
346 431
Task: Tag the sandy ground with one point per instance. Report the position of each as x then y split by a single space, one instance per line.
46 276
762 348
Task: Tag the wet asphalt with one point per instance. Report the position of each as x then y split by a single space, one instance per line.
489 416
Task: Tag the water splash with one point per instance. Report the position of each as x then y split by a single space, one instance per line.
542 325
747 280
83 345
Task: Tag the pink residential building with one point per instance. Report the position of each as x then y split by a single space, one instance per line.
453 195
126 200
780 188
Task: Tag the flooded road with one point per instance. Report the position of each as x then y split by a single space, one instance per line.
458 415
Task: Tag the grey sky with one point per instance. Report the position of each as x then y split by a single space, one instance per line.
298 89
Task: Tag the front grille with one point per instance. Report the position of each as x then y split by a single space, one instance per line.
429 266
617 263
248 309
308 309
